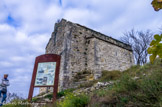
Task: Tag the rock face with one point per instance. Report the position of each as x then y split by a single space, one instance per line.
83 48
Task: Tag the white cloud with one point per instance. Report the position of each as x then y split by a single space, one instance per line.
5 28
17 58
83 16
6 64
3 12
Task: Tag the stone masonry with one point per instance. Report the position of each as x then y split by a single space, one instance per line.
83 48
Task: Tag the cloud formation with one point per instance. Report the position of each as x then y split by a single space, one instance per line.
26 26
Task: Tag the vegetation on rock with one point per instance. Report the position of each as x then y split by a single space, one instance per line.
72 100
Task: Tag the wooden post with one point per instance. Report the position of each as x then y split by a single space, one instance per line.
55 88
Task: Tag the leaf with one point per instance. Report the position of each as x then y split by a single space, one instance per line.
156 5
155 48
160 55
158 38
149 50
159 52
153 43
152 58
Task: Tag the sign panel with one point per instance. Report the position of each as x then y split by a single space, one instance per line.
45 74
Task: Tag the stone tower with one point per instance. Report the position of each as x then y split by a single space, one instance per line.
83 48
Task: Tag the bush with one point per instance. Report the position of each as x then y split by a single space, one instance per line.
146 91
110 75
133 71
87 84
16 105
146 69
49 96
74 101
64 92
126 83
151 88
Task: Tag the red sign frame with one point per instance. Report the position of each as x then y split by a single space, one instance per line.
46 58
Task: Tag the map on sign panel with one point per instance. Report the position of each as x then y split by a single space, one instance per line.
45 74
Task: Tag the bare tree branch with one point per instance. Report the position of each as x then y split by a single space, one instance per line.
13 96
139 41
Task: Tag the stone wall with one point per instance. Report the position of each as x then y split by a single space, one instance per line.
83 48
105 56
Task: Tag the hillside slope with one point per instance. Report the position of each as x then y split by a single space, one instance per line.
139 86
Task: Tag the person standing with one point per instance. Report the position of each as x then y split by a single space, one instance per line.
3 88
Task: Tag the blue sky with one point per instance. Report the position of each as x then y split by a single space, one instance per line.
26 26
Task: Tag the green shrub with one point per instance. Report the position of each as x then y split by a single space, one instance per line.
35 99
95 104
133 71
126 83
101 93
146 69
16 105
109 75
151 87
158 61
123 100
146 91
49 96
64 92
59 94
87 84
74 101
